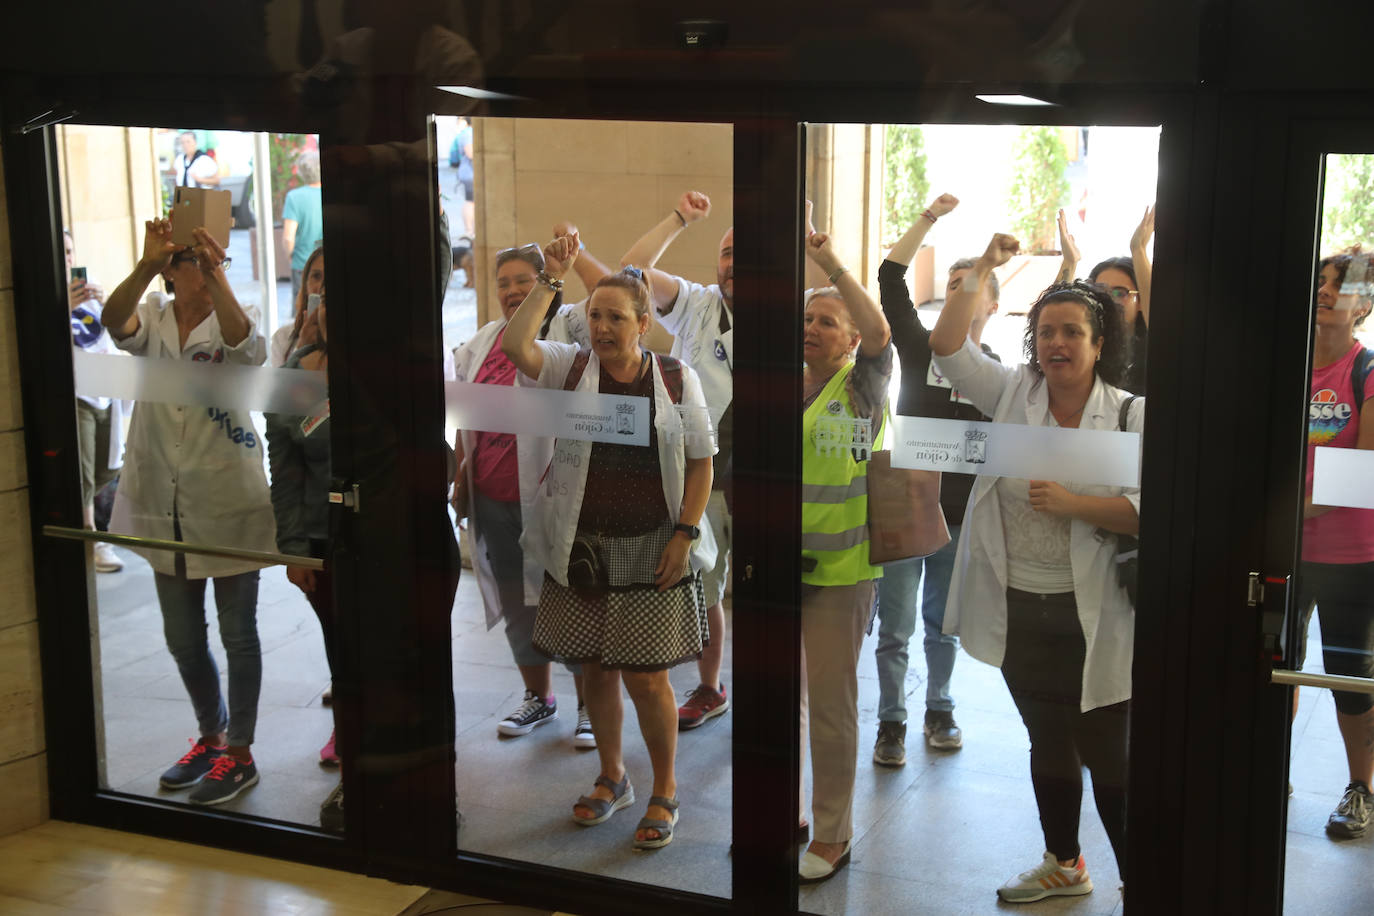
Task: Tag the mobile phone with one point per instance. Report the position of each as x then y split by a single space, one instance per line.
312 302
79 273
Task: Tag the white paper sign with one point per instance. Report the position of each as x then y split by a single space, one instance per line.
548 412
1343 477
1082 456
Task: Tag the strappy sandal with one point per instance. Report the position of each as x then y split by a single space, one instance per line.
664 828
623 794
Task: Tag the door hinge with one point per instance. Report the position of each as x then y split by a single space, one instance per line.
1254 590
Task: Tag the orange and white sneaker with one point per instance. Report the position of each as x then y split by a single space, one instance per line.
1048 879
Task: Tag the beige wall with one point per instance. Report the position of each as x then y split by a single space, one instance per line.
109 187
23 761
613 179
844 182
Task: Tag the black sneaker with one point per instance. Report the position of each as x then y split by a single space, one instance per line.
190 769
941 732
1351 817
890 749
332 811
528 716
226 779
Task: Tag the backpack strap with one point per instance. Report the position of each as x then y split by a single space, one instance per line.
1359 373
672 376
1125 415
579 366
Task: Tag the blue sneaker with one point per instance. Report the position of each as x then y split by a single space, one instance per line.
227 778
190 769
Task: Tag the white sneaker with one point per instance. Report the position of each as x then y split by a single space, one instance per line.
106 560
1048 879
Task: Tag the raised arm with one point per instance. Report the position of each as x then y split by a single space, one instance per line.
692 207
121 315
911 240
234 324
1068 267
957 316
1140 260
874 332
518 341
589 269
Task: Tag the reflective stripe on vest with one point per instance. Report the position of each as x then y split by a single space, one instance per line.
834 498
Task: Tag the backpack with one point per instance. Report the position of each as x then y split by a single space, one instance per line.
1359 373
671 368
1128 545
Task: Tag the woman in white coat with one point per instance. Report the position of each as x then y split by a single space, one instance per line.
1035 589
627 517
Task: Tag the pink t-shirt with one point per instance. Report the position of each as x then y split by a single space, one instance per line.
1342 535
495 467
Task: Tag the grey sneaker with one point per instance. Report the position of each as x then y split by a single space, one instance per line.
529 715
941 732
890 749
1351 817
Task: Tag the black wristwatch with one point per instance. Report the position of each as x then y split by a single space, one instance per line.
692 531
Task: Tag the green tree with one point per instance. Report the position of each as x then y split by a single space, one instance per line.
283 149
1348 216
904 179
1039 187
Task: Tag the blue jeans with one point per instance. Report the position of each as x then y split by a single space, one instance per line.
897 591
183 624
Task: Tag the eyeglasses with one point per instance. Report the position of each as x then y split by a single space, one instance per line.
195 261
530 253
1120 292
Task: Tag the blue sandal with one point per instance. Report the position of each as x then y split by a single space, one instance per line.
623 794
664 828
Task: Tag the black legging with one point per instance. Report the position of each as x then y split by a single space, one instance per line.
1043 668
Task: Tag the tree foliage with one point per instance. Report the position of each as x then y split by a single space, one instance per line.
904 179
1039 187
1348 216
283 149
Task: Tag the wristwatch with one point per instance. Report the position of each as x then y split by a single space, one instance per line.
692 531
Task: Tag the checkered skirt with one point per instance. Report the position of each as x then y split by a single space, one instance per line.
633 625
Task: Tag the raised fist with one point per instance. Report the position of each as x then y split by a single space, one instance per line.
694 206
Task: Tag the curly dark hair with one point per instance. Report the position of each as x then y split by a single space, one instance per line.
1341 262
1105 317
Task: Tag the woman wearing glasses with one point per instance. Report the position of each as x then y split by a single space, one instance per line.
615 528
1036 590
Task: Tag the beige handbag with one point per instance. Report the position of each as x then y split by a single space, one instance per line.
904 515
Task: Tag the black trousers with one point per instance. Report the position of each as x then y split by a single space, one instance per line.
1043 668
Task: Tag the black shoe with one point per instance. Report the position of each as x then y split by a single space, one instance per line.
890 749
332 811
190 769
226 779
941 732
529 715
1351 817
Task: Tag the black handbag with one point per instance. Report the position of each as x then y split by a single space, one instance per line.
1127 545
586 565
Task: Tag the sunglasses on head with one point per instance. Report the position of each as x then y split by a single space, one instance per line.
530 253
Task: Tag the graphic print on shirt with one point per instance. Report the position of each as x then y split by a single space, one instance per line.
935 380
86 327
1327 417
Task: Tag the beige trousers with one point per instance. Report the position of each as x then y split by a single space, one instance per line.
834 619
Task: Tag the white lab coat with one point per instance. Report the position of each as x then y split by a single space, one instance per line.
694 320
977 606
532 454
207 463
552 527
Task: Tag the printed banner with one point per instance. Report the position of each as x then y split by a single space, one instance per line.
1343 477
1081 456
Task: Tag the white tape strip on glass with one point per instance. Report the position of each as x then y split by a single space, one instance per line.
1343 477
546 412
1082 456
298 392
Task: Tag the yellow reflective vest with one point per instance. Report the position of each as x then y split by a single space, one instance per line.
835 490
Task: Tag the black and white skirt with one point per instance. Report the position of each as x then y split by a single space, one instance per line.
632 625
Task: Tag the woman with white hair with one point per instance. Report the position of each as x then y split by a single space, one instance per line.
302 218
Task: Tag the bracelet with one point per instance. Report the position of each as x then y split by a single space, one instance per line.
551 282
837 273
930 216
681 217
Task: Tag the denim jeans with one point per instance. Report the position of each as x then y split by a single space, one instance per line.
897 593
183 624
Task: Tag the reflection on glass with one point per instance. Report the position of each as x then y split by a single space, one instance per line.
193 462
1338 541
606 558
967 353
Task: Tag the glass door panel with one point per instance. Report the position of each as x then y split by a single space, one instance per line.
1023 430
1332 630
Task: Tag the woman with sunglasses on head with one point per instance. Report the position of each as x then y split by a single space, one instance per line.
1337 574
1036 590
497 476
616 530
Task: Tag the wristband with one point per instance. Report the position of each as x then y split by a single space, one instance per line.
679 215
837 273
930 216
550 281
